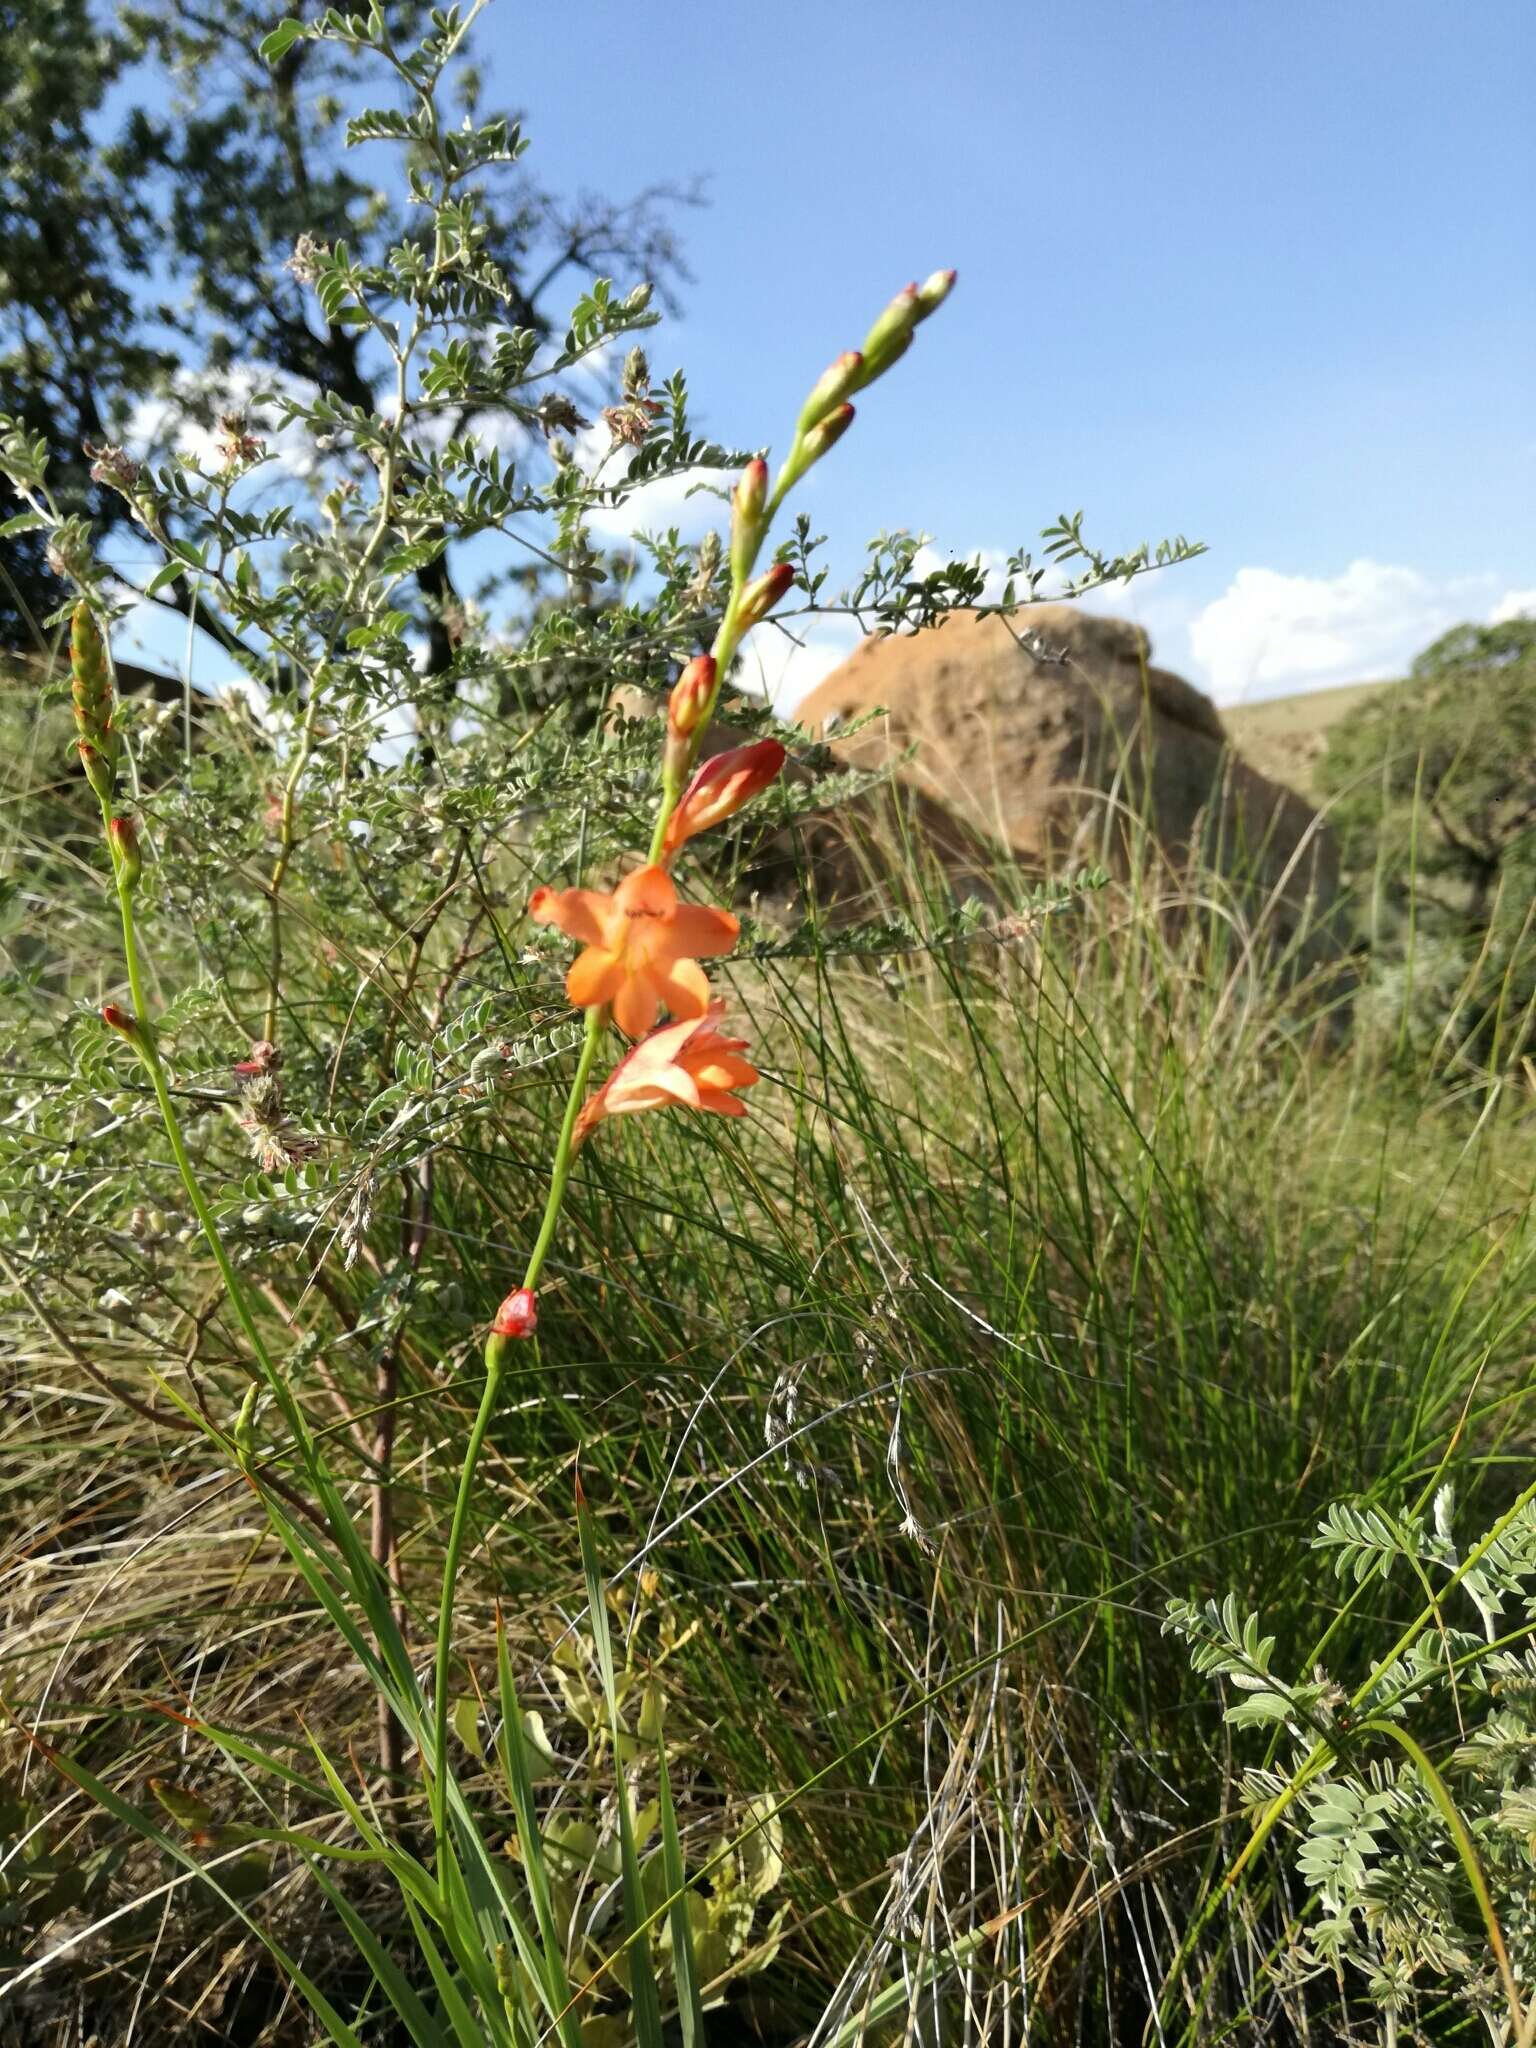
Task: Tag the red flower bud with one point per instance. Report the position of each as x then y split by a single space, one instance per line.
747 502
831 388
759 598
117 1019
691 696
518 1315
721 788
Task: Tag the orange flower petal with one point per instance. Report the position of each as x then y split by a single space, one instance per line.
648 892
700 931
655 1091
725 1070
682 986
595 977
582 914
636 1000
658 1048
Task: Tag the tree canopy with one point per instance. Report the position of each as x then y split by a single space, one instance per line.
158 179
1448 756
1434 787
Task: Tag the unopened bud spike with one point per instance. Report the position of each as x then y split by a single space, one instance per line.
747 502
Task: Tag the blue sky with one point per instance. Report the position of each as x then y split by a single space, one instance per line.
1263 275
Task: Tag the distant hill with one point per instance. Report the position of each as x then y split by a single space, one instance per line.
1284 736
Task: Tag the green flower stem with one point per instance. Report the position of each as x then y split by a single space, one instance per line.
726 641
149 1057
560 1173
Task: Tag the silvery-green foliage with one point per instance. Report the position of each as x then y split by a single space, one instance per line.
1390 1892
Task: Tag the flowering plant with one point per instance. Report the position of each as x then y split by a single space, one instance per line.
324 597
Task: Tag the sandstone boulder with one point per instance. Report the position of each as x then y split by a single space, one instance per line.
1049 734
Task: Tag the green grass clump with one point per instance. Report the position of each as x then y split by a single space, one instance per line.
1059 1274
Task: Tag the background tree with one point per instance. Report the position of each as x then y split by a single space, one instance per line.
1435 787
79 340
159 179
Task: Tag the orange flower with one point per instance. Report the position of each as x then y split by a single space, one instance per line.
720 789
690 1064
642 947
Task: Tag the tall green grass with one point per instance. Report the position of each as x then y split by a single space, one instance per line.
1056 1275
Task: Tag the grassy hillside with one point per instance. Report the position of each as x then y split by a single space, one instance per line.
1284 736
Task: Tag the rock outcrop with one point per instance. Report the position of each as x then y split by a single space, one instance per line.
1048 733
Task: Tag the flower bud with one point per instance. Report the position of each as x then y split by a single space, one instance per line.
91 678
760 597
828 430
691 696
747 502
517 1317
125 1022
123 838
888 338
933 291
97 772
722 787
830 389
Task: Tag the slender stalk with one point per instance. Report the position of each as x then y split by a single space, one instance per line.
723 647
597 1024
149 1056
560 1172
674 780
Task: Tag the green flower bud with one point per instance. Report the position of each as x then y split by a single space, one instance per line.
747 503
933 291
123 838
889 336
91 692
830 389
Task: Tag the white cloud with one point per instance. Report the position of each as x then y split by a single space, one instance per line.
1269 634
785 670
669 501
654 507
158 427
993 563
1514 604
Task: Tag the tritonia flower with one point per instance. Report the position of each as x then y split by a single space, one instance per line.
691 1065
